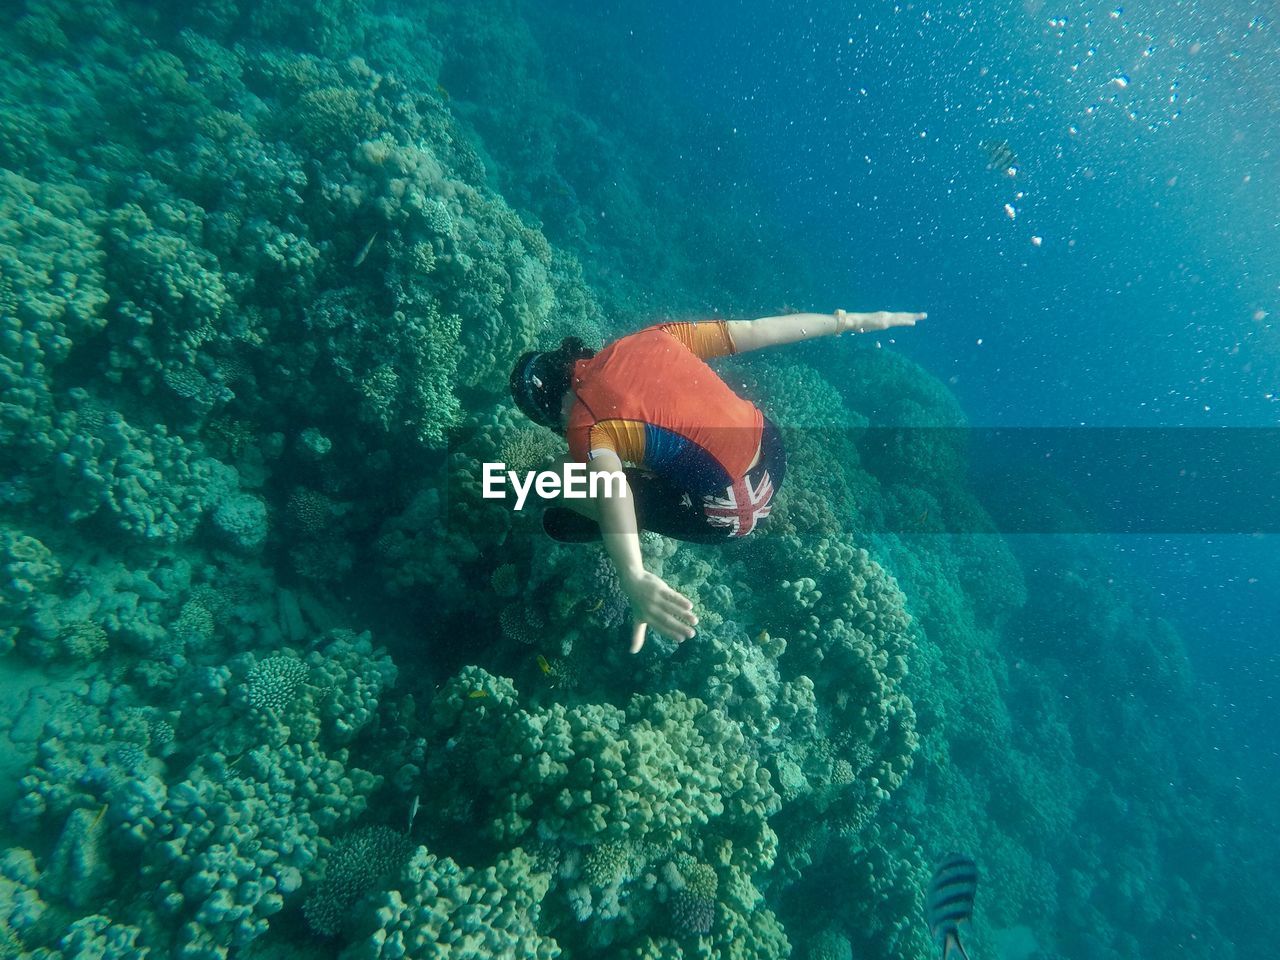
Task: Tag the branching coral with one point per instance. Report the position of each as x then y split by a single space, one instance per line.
353 868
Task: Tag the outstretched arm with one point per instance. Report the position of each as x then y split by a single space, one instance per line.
772 331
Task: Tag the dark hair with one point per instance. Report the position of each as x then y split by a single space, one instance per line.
540 378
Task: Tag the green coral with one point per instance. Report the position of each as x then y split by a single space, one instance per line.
273 683
357 863
402 363
52 297
151 485
442 910
221 840
596 773
241 520
167 290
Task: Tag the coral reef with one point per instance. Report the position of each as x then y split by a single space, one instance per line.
264 267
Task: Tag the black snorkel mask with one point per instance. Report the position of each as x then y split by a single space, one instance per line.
540 378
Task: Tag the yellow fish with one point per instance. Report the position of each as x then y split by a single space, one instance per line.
477 694
596 606
543 665
444 94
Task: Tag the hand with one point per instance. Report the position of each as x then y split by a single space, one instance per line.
653 602
879 320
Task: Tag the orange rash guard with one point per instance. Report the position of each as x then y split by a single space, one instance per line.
651 399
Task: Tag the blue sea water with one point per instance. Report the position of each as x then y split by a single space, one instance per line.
279 683
1126 276
1144 137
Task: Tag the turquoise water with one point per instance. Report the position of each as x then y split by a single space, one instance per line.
279 682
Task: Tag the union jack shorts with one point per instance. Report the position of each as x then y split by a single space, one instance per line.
682 514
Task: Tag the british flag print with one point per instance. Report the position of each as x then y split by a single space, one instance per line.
742 506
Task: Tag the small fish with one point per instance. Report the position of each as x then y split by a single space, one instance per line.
98 819
364 251
762 636
950 902
596 606
477 694
444 94
413 810
923 517
1000 156
544 666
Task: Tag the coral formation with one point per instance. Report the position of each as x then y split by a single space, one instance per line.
264 268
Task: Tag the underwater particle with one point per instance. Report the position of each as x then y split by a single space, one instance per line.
274 682
1120 81
357 864
1036 241
1010 212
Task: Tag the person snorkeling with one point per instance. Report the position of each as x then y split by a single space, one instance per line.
706 463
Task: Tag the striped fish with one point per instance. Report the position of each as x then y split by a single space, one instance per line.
1000 156
951 902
